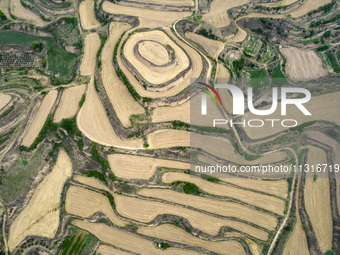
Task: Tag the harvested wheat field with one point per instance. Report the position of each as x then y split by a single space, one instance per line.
168 138
145 211
223 73
147 17
217 15
223 208
122 101
123 239
87 15
323 107
178 85
297 242
93 121
4 7
140 167
69 103
4 100
19 11
167 2
178 235
269 203
307 6
317 200
85 203
154 52
184 111
279 3
108 250
38 220
222 148
90 181
150 74
40 118
92 44
213 47
325 139
303 64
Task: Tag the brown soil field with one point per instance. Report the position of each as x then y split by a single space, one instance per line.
85 203
150 75
222 148
69 103
269 203
279 3
146 211
93 121
19 11
140 167
217 15
154 52
120 98
147 17
167 138
177 86
40 118
91 181
92 44
307 6
303 64
322 107
213 47
123 239
178 235
4 100
223 208
317 200
38 220
87 15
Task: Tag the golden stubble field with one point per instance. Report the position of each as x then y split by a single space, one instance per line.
267 202
40 217
178 235
307 6
317 200
40 118
123 240
213 47
4 100
145 211
92 44
178 85
150 75
85 203
87 15
147 17
303 64
69 103
122 101
93 121
140 167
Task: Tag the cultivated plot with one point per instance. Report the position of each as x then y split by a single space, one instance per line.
38 220
40 118
69 103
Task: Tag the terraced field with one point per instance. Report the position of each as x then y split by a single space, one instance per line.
103 141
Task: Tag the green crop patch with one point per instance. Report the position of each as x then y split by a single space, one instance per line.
61 64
